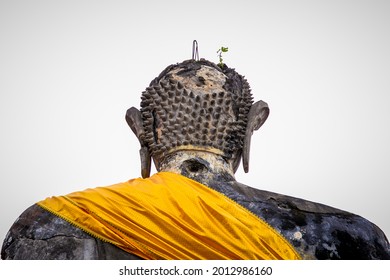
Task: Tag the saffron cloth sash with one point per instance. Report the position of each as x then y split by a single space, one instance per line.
169 216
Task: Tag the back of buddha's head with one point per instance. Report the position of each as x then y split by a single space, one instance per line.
195 105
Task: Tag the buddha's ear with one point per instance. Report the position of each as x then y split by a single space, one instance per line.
258 114
134 120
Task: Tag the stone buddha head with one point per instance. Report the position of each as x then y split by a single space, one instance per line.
196 116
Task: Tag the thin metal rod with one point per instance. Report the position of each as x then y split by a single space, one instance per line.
195 52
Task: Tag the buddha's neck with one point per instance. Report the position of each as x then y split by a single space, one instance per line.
198 165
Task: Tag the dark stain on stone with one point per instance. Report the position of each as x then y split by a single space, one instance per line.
202 81
189 70
288 225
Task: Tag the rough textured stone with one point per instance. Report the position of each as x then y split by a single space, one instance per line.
181 127
316 231
37 235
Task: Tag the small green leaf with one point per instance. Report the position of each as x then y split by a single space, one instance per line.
219 52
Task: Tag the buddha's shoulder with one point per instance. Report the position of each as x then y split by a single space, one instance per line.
287 202
39 234
317 229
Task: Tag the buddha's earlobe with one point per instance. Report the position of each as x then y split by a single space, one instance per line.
258 114
134 120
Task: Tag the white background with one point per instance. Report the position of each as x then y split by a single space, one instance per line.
69 70
199 270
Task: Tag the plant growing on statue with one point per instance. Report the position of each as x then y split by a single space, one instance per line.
219 52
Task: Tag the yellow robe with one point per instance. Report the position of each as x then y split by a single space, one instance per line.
169 216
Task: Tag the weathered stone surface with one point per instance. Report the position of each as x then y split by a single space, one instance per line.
37 235
316 231
197 120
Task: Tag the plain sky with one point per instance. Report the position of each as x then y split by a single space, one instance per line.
69 70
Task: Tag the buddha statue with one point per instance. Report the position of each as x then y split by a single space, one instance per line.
195 124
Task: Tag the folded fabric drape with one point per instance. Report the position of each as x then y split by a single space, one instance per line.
169 216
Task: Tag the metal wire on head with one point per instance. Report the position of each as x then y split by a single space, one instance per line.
195 52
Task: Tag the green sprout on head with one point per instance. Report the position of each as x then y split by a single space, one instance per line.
219 52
